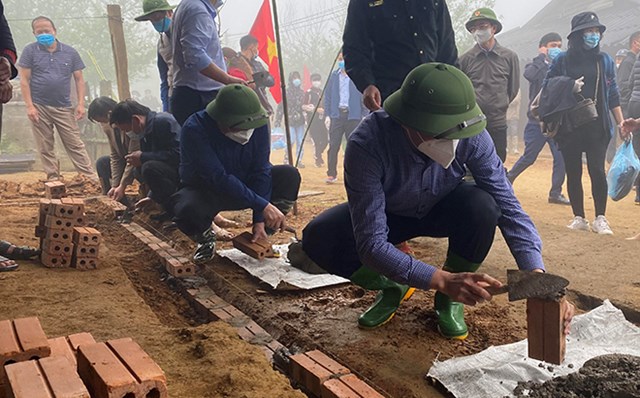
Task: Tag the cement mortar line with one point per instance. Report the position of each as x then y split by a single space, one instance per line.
166 239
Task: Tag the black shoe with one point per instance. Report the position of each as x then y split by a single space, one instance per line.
559 200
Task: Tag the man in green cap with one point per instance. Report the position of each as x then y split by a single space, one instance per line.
159 13
225 166
495 73
404 169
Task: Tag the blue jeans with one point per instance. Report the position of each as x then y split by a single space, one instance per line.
297 134
534 141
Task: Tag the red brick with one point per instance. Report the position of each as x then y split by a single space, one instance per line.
120 367
306 372
359 386
68 346
244 333
86 236
258 250
51 261
335 388
86 251
54 377
84 263
178 270
332 366
45 205
57 248
54 222
222 314
62 235
21 340
55 190
66 208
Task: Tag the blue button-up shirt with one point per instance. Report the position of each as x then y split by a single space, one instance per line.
344 90
384 173
211 160
196 45
51 73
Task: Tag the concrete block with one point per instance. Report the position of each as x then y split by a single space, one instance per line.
53 377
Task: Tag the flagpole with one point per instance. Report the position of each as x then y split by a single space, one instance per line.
283 86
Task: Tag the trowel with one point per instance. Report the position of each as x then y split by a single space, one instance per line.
527 284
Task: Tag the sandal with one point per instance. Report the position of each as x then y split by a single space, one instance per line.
14 252
222 234
7 264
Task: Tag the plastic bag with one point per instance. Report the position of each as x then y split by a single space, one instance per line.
277 139
623 172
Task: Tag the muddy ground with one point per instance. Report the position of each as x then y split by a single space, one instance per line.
128 295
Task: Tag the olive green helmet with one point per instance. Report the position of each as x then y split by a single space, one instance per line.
437 100
238 107
151 6
484 14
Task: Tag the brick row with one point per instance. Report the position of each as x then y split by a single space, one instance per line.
120 368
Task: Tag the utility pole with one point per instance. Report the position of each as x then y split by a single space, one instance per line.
116 31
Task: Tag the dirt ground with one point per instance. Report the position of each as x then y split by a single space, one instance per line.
128 297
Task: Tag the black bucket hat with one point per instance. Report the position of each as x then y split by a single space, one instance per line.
585 20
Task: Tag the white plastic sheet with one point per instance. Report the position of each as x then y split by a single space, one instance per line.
496 371
278 273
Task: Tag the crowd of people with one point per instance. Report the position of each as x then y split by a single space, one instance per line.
426 131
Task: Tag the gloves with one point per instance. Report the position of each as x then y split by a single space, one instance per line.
577 86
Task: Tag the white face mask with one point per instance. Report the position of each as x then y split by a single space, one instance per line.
442 151
241 137
316 84
482 36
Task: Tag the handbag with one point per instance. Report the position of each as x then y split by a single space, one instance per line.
586 109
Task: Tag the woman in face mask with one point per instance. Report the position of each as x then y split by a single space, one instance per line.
593 73
295 101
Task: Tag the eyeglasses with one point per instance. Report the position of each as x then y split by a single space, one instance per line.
459 127
249 120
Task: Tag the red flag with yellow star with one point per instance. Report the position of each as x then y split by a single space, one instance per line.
262 30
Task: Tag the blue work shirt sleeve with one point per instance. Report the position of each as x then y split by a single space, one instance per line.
195 39
259 179
163 70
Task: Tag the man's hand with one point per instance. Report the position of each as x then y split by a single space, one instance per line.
372 98
259 233
568 311
6 91
134 158
273 217
32 114
628 126
467 287
577 86
234 80
117 193
5 70
80 111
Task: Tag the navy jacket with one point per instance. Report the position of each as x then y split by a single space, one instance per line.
161 139
332 99
7 46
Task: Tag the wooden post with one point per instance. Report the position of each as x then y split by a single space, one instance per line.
545 330
116 30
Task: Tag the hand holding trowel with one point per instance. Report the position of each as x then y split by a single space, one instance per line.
527 284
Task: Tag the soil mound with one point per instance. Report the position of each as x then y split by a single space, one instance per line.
607 376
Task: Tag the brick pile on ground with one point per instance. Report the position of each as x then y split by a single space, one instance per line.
73 366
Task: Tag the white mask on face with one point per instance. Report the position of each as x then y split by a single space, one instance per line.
316 84
241 137
482 36
442 151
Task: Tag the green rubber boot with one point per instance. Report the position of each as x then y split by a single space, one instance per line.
389 298
451 313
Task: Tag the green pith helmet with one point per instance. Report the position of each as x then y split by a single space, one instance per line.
437 100
238 107
484 14
151 6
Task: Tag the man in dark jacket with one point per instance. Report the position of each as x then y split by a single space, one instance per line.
623 74
534 140
343 105
261 77
317 126
157 160
384 40
8 58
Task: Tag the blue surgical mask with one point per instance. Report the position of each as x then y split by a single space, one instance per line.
341 65
553 52
162 25
296 82
46 39
591 40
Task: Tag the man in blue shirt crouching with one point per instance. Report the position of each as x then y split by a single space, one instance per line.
403 171
224 165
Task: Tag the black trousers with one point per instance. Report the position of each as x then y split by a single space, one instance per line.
320 137
340 127
162 179
634 112
499 135
186 101
195 207
468 216
593 140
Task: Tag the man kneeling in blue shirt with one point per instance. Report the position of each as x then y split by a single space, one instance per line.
403 172
224 165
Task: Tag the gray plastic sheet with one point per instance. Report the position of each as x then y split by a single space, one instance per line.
496 371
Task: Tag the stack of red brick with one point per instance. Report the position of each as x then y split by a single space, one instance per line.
73 366
64 240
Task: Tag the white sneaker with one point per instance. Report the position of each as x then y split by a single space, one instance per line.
601 226
579 224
